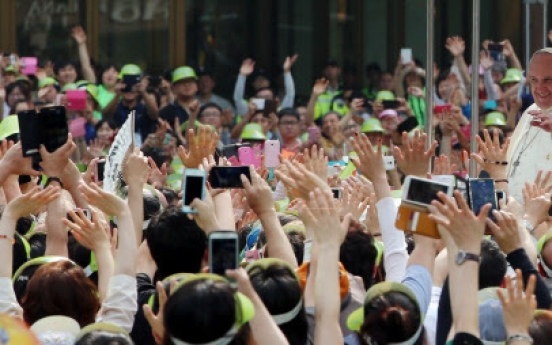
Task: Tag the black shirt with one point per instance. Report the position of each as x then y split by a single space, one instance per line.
143 123
171 111
141 331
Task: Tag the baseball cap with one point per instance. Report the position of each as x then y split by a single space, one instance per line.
513 75
182 73
372 125
491 322
495 118
385 96
388 112
129 69
253 131
92 91
57 329
46 81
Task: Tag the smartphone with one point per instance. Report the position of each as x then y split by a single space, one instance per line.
130 80
390 104
29 65
272 153
259 102
29 132
248 157
481 191
421 191
231 150
99 170
336 193
407 125
54 129
495 49
439 109
270 107
154 80
77 127
192 188
406 55
87 213
223 251
500 195
314 133
228 177
76 99
389 162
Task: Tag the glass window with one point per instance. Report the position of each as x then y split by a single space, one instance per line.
44 28
135 31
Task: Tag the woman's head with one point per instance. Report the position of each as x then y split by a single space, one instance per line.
16 91
541 327
60 288
105 130
330 121
110 74
203 309
20 105
278 287
262 120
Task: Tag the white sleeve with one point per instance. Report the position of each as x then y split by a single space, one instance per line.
489 85
289 98
8 301
395 254
239 92
121 302
280 192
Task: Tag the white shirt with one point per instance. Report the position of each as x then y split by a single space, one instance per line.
535 146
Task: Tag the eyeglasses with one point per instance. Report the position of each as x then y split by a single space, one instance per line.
289 123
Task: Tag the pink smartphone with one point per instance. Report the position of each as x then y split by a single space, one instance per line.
76 99
272 153
234 161
29 65
313 133
249 157
76 127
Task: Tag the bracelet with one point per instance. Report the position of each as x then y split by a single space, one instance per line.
516 337
53 178
497 163
528 226
6 237
504 180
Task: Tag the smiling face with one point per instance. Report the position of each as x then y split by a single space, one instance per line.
540 79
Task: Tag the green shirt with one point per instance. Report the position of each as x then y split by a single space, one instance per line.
104 96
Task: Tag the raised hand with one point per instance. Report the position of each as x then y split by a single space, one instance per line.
203 147
54 163
505 231
258 193
13 161
316 162
30 202
492 157
205 217
136 168
320 86
456 45
442 166
518 307
537 203
97 148
157 176
413 159
290 61
485 59
108 203
300 180
353 202
508 49
247 67
79 35
89 233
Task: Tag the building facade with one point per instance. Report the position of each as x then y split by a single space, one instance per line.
218 34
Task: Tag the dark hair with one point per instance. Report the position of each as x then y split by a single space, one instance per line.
16 103
265 88
358 255
391 318
285 218
170 194
279 289
208 105
98 337
23 87
540 328
110 122
289 112
297 241
60 288
441 78
492 267
152 205
107 67
199 312
177 244
64 63
373 66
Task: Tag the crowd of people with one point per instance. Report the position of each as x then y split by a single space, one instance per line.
82 265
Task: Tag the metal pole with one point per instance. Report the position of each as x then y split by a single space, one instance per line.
474 86
527 34
544 23
430 85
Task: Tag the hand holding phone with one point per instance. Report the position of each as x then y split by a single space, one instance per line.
248 157
406 56
228 177
223 251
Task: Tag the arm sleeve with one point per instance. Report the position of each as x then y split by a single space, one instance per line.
8 301
418 279
489 85
120 304
239 92
395 254
518 259
287 102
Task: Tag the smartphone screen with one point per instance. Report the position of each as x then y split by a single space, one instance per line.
100 165
406 55
130 80
154 81
482 192
495 49
336 193
390 104
193 189
223 252
231 150
424 192
29 132
407 125
54 129
228 177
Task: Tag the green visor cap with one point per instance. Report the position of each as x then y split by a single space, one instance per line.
46 81
513 75
10 69
92 90
372 125
130 69
253 131
69 86
182 73
385 96
495 118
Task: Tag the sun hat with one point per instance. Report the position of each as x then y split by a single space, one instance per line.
184 72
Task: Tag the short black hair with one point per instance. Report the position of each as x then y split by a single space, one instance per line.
264 89
358 255
176 243
289 112
208 105
493 265
64 63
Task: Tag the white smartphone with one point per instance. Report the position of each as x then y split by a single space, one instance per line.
223 251
422 192
272 153
448 179
259 102
193 188
389 162
406 55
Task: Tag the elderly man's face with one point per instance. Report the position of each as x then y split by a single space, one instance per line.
540 78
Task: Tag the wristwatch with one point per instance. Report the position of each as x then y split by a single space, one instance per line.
462 256
529 226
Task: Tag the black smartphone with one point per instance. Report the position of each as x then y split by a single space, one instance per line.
500 195
130 80
270 107
228 177
231 150
54 129
223 251
495 50
407 125
154 80
390 104
36 158
481 192
99 173
29 132
336 193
